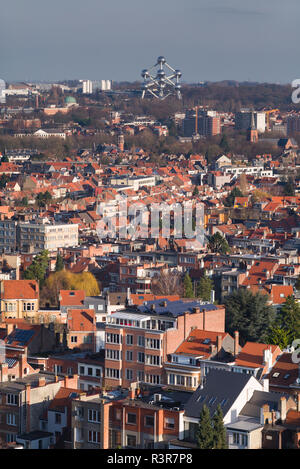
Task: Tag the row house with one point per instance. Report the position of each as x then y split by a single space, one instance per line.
138 340
23 401
143 418
19 298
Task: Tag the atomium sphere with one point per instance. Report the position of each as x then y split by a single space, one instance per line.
178 73
145 86
177 87
145 73
161 73
161 60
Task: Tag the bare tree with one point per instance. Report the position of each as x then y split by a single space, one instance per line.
168 283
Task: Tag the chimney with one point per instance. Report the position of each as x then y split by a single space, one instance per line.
27 399
204 318
219 344
196 310
264 411
131 394
283 408
9 328
42 381
22 365
268 358
236 343
298 402
3 372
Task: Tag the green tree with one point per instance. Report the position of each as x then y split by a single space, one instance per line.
43 198
220 440
204 288
289 318
224 143
229 201
289 188
188 286
250 314
23 202
3 180
195 191
279 336
217 243
205 431
38 268
59 263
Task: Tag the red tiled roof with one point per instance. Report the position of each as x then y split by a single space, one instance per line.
16 289
194 344
71 297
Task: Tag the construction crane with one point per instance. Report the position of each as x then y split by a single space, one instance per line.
270 111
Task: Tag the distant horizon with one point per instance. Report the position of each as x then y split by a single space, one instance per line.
189 83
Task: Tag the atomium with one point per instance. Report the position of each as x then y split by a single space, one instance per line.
161 80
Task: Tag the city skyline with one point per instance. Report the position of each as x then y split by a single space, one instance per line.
207 40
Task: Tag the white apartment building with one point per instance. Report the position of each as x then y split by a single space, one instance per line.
39 236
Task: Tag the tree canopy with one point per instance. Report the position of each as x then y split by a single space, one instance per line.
211 433
217 243
188 287
38 268
287 325
229 201
204 288
66 280
250 314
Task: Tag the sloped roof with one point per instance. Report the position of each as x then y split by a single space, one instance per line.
219 387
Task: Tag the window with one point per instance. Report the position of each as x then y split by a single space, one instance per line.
98 372
94 415
94 437
171 378
11 419
169 423
129 356
152 379
112 373
131 419
58 419
112 354
78 434
113 338
153 343
118 414
12 399
131 440
69 371
153 360
81 370
140 376
10 437
129 374
141 341
90 371
141 357
79 412
129 339
57 368
74 338
149 421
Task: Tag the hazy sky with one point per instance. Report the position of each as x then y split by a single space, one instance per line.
254 40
